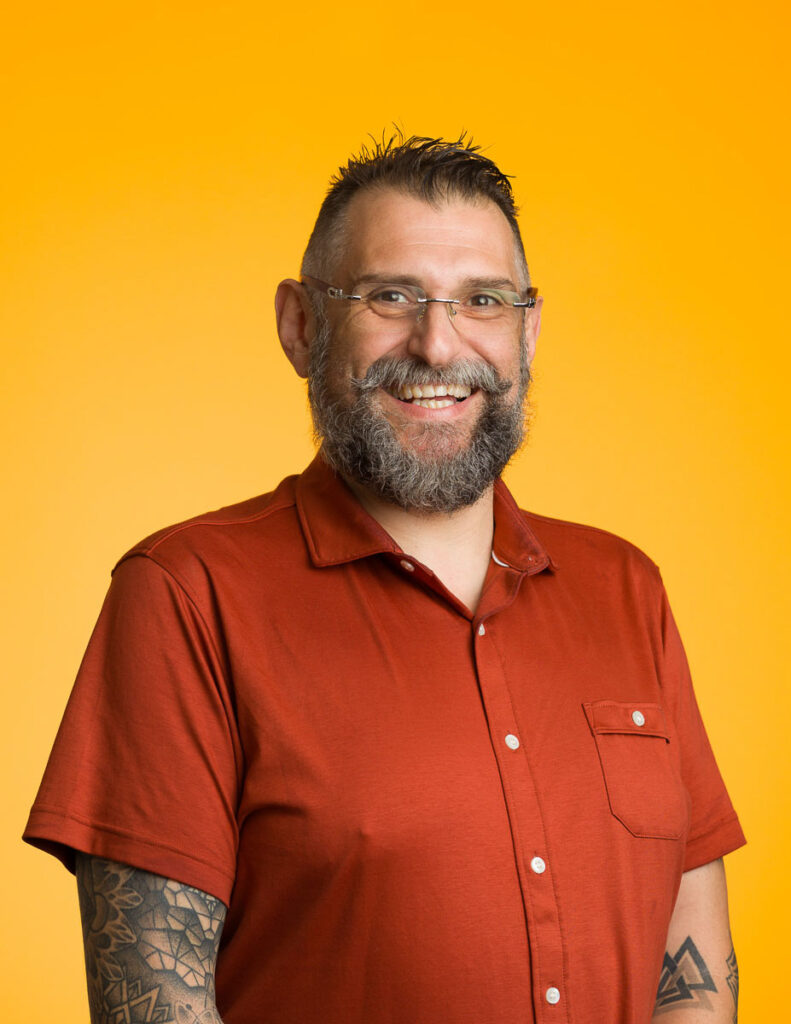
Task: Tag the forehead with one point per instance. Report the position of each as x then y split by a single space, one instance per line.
387 231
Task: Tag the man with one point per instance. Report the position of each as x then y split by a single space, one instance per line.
378 746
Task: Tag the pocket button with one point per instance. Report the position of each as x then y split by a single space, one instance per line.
638 718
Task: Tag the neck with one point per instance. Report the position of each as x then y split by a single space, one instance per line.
456 546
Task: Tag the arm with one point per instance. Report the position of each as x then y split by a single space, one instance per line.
150 945
699 983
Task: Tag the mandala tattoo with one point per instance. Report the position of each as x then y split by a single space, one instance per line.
150 946
685 978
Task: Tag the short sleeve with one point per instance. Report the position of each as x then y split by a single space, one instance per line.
145 769
714 826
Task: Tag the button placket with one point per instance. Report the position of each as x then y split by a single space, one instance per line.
524 813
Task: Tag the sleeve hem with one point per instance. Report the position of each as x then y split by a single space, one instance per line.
62 836
723 838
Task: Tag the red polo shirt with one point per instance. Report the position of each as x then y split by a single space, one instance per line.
415 814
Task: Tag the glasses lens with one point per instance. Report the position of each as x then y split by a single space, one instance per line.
487 305
392 300
489 308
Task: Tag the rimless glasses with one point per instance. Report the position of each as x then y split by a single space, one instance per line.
491 306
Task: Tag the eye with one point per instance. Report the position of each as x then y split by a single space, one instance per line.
389 296
484 300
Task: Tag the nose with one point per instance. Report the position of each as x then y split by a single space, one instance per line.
434 338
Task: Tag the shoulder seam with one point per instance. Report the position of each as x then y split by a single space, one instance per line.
190 597
551 520
204 521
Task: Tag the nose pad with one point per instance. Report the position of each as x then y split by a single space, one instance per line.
450 306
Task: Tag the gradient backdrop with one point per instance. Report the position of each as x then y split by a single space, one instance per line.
164 166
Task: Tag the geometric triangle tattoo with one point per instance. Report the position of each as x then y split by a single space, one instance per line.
683 975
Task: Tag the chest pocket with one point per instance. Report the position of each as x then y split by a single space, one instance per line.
643 786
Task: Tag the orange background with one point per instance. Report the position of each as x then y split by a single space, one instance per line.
164 166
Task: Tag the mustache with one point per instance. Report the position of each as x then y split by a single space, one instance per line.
389 372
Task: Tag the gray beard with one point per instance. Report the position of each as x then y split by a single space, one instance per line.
359 443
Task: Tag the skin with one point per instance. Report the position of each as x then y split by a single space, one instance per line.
700 981
132 920
396 236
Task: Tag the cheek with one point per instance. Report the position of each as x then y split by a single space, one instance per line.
506 358
355 355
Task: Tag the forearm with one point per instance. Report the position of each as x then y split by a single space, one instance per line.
150 945
699 980
697 990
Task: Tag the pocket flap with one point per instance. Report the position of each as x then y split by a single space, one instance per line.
635 717
638 763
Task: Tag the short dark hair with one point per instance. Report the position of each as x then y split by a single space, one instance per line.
430 169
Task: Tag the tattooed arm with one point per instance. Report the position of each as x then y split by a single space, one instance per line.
699 983
150 945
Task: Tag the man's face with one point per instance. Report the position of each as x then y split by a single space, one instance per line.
432 453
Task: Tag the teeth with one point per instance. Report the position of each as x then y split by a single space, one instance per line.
432 403
412 391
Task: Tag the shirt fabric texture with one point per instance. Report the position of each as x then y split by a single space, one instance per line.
414 813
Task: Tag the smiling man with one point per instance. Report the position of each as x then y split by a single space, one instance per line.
378 747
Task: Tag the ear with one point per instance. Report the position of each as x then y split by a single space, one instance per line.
296 325
532 327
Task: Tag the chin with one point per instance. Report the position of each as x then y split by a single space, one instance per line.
433 448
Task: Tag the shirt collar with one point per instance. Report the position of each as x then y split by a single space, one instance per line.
337 528
514 541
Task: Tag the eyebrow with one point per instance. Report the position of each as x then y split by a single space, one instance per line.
410 279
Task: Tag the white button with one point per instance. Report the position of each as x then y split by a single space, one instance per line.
638 718
538 865
553 996
481 630
512 741
407 565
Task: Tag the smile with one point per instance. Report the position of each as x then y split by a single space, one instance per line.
431 396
